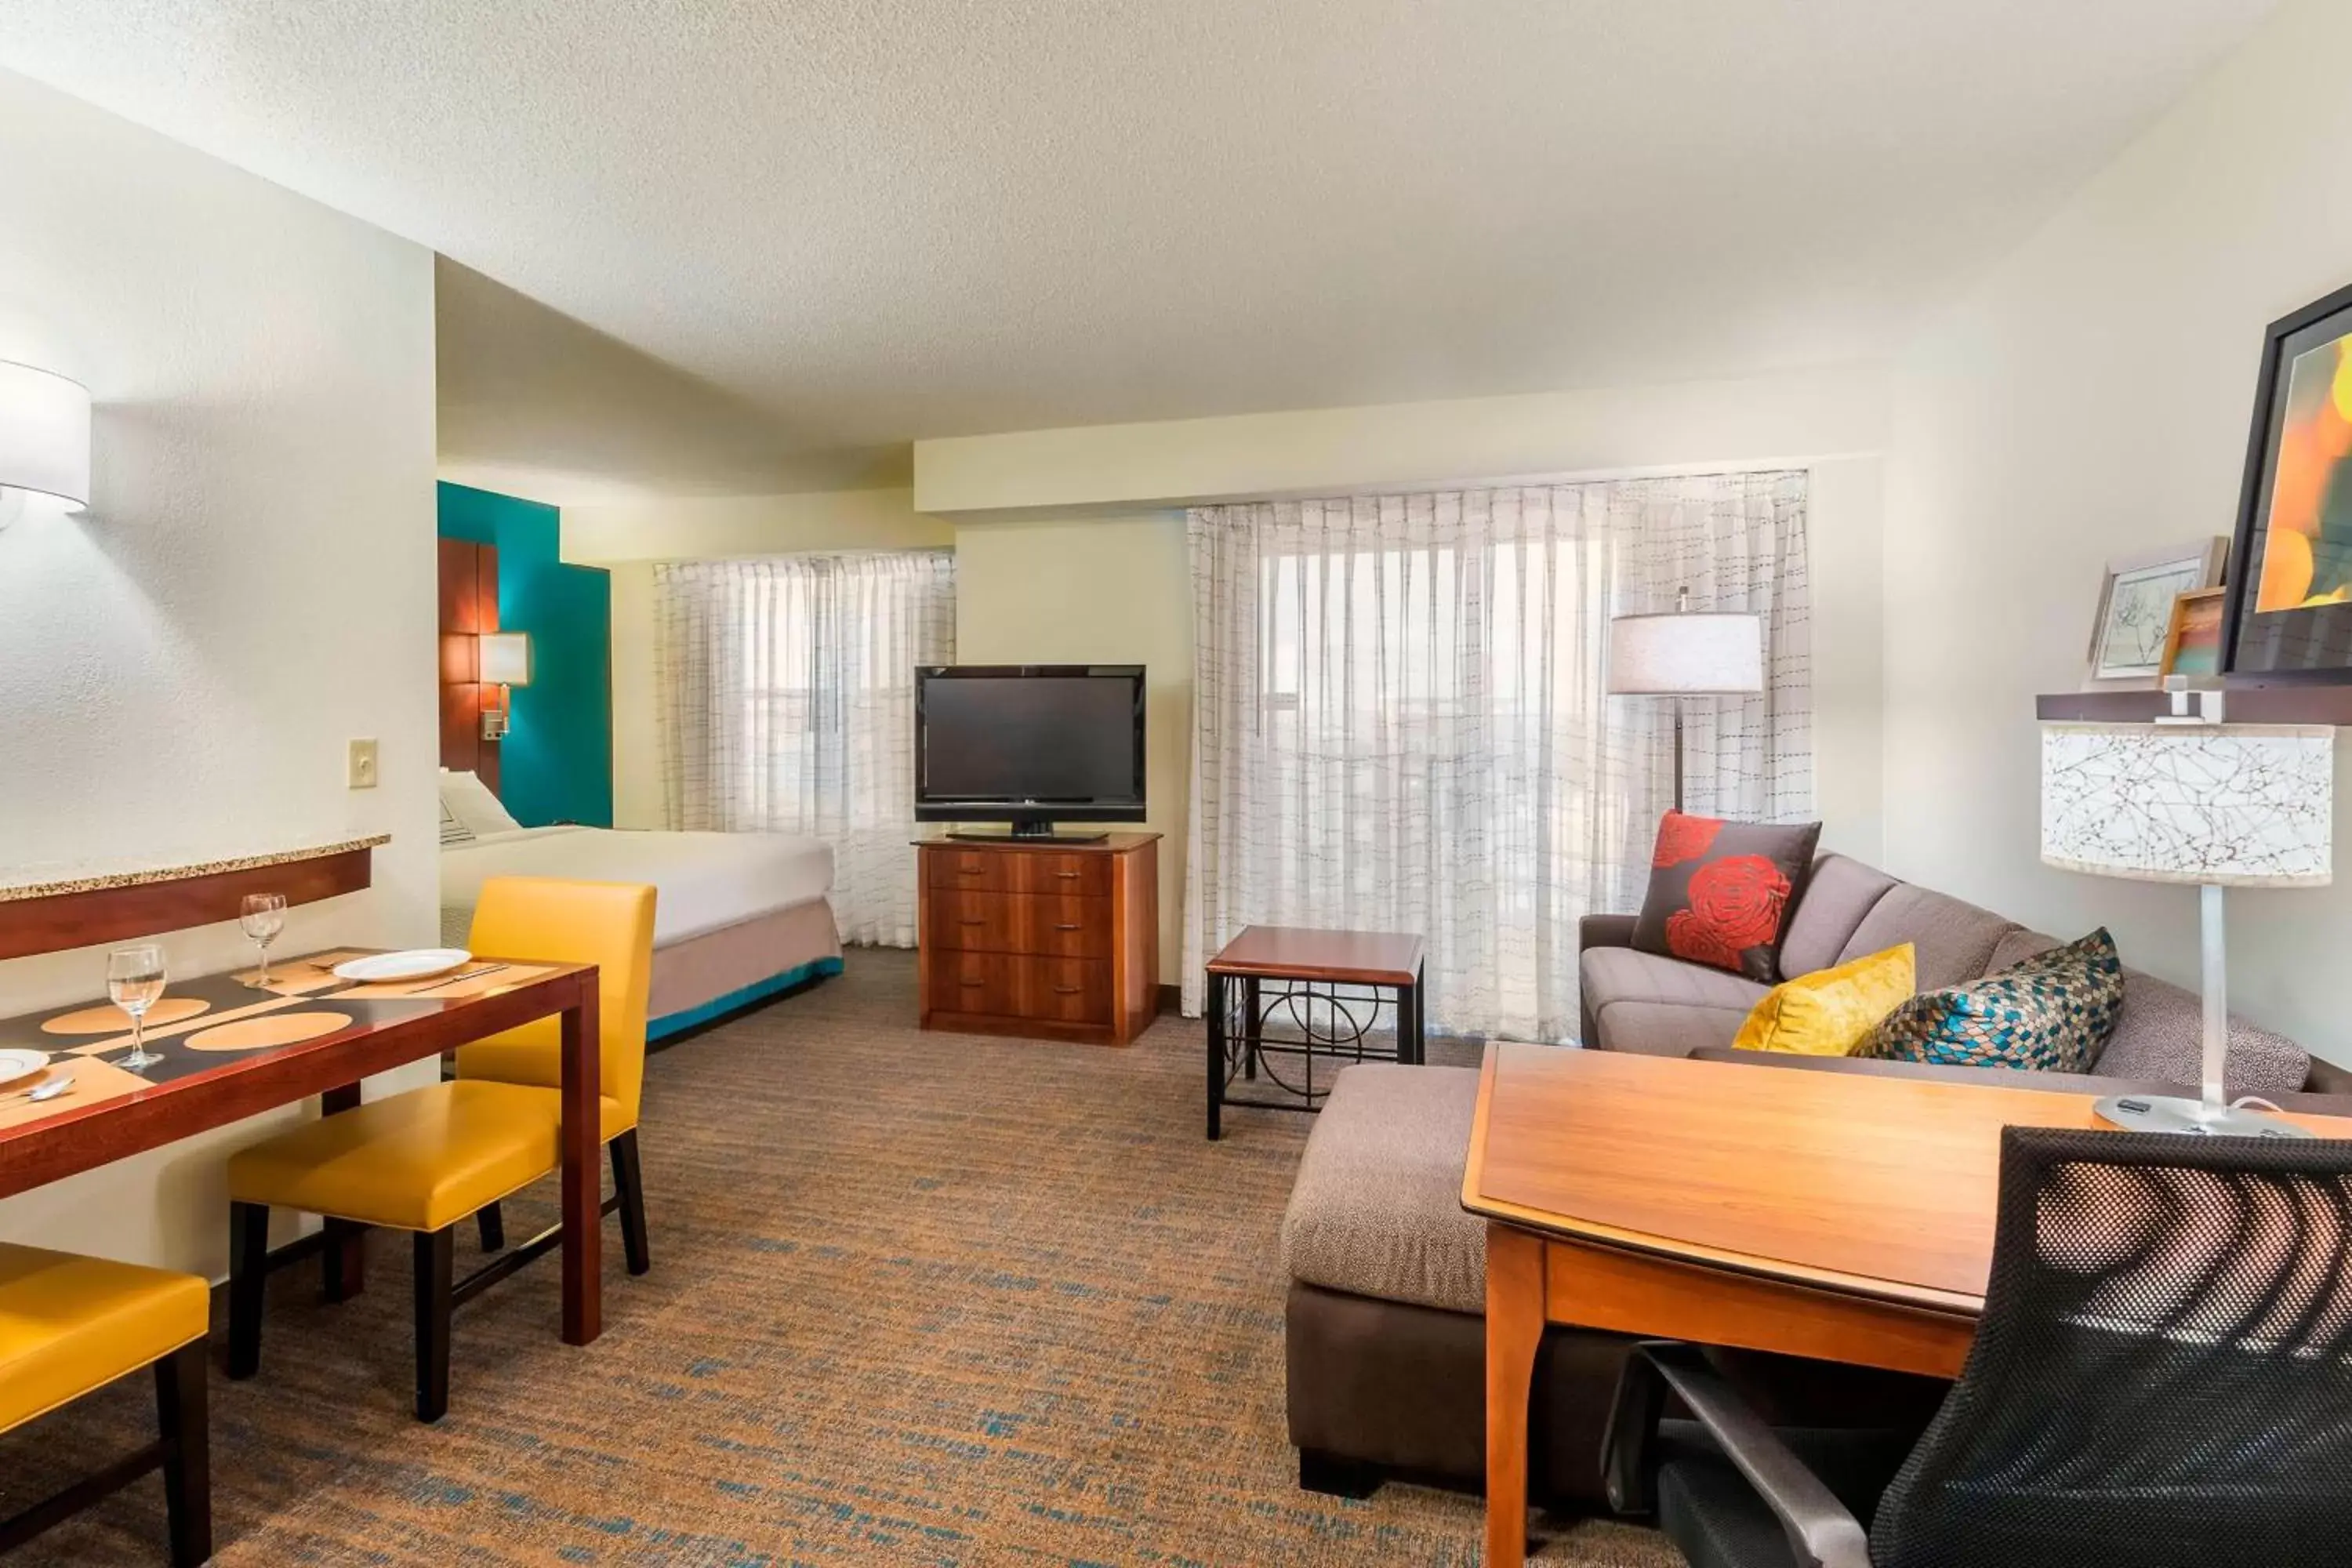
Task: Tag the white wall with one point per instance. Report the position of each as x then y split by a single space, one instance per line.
628 538
2090 399
252 585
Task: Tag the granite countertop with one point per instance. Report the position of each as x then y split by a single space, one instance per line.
100 881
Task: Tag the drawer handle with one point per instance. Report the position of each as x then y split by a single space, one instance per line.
972 982
1072 925
969 870
1065 991
974 920
1067 876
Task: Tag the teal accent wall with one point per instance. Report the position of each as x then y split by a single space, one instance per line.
556 761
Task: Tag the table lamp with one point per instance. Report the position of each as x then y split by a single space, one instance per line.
1686 654
2192 800
505 664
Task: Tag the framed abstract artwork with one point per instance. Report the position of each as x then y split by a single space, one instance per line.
2135 619
2193 646
2289 610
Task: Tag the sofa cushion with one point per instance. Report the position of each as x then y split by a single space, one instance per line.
1955 940
1838 895
2052 1013
1377 1207
2160 1037
2018 946
1831 1011
1620 974
1721 892
1665 1028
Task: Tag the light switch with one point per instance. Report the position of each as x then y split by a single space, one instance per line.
360 771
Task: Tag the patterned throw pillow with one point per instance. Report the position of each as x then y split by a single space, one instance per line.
2050 1013
1720 892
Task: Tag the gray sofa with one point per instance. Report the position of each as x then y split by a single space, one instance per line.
1386 1344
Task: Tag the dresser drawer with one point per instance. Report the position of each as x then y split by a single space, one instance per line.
974 870
1058 926
1041 871
1062 990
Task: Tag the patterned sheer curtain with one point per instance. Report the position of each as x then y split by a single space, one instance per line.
1401 723
787 705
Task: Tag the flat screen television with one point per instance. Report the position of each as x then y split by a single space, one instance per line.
1029 744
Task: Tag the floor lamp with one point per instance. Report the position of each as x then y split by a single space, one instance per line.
2192 800
1686 654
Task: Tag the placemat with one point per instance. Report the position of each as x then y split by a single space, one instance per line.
274 1029
110 1020
93 1082
203 1020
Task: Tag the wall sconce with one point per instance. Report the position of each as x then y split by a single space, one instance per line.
44 440
503 661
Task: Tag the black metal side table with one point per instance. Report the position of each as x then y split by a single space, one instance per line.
1320 994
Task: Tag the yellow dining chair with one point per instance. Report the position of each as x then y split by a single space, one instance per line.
70 1325
538 917
428 1158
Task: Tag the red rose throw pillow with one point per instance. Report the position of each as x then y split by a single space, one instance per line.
1720 892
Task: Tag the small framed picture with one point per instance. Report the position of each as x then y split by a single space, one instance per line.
2193 646
2135 620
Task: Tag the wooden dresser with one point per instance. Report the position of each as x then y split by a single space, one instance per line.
1056 941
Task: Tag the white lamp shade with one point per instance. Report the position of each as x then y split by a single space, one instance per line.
44 433
2219 804
1686 655
506 658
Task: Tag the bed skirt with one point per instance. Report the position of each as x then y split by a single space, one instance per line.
704 976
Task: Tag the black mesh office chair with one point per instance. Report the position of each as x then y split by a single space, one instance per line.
2162 1379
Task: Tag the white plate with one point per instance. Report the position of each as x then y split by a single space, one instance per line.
16 1064
419 963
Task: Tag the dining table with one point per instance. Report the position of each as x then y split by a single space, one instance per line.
234 1043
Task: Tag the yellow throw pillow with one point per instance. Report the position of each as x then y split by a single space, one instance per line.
1831 1011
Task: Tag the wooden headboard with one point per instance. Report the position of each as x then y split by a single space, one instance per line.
469 606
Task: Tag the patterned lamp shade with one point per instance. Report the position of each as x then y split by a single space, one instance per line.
2231 806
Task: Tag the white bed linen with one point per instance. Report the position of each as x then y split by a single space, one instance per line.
706 880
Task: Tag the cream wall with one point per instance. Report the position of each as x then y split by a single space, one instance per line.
2090 399
628 538
252 585
1099 590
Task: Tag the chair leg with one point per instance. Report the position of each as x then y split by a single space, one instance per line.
629 1187
493 1222
180 1410
335 1271
248 1271
436 1257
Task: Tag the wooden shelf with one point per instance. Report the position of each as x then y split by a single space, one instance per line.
2248 704
51 917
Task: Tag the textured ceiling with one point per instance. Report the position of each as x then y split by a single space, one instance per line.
856 222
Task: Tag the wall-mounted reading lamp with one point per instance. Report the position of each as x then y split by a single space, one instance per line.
44 440
504 661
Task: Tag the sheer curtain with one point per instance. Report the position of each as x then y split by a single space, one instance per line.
787 705
1401 724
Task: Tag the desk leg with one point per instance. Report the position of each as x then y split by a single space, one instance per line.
1515 1323
583 1140
344 1259
1216 1021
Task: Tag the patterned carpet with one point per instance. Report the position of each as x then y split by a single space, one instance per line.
917 1299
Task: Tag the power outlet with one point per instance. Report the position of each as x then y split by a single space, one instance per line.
360 769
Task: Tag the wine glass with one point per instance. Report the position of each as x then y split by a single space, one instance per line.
135 980
263 916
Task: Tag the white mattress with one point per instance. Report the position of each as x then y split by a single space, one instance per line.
706 880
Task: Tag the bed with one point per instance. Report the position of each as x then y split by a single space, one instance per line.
739 917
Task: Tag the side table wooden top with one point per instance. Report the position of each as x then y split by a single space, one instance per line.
1297 952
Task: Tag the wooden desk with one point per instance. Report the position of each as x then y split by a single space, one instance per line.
1836 1215
195 1089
